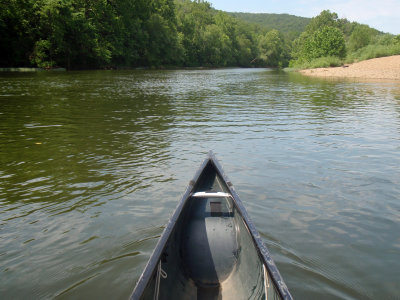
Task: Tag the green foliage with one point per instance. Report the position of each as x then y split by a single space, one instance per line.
298 47
360 37
321 62
214 39
383 39
290 26
41 55
163 45
72 37
216 47
78 34
379 45
323 43
272 48
17 35
327 41
323 37
373 51
88 34
324 19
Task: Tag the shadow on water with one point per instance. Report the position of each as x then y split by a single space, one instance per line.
69 136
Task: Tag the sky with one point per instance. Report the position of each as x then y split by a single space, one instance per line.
383 15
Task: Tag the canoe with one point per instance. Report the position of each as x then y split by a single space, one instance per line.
210 249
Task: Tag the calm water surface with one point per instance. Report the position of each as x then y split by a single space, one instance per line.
92 164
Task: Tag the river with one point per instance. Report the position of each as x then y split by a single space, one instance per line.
93 163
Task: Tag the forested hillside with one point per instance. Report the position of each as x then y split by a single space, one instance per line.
287 24
81 34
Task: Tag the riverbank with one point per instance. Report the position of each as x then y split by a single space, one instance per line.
376 68
30 69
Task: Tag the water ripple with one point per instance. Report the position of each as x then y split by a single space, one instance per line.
92 164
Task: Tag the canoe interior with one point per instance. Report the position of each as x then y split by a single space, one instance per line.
210 253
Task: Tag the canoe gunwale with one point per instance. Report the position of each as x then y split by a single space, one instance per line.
261 248
159 249
263 252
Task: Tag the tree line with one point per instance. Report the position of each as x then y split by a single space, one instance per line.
82 34
78 34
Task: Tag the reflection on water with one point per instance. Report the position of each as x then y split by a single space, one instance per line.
92 165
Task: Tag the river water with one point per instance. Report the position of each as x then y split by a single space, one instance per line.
92 164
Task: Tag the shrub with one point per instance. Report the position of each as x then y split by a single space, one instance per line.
373 51
321 62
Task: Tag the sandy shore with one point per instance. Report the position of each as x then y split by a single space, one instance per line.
376 68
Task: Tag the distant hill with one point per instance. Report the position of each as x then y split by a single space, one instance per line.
285 23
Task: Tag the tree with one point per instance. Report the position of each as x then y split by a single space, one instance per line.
328 41
323 37
163 42
396 40
18 31
360 37
192 19
298 46
271 48
325 18
129 37
78 34
74 35
245 52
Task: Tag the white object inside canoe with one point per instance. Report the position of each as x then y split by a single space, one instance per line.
211 195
